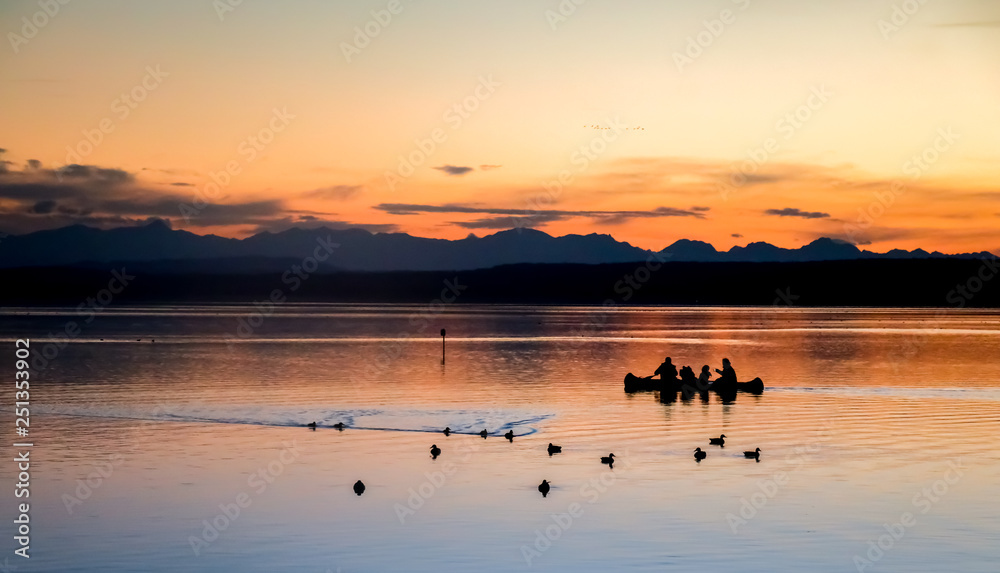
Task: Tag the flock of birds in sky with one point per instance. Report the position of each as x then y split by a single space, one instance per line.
609 460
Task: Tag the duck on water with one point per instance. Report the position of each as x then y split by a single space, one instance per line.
544 487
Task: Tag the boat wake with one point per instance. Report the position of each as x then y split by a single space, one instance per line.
496 420
971 393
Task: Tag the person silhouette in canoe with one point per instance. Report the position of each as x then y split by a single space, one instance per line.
667 370
687 376
689 382
727 376
705 378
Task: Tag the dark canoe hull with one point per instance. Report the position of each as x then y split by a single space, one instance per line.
634 383
755 386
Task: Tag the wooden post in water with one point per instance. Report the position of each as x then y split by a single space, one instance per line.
442 346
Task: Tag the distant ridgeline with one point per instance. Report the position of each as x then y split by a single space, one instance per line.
525 266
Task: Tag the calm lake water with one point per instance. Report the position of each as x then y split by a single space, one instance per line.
877 427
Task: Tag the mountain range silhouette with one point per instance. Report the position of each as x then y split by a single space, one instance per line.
161 248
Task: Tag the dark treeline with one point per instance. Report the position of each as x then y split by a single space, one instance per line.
927 282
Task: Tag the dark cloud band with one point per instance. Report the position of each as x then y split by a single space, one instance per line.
792 212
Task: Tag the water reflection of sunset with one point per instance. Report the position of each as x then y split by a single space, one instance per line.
863 411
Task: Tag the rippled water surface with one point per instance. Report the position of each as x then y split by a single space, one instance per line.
877 426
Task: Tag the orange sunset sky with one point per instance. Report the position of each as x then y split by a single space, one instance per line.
727 121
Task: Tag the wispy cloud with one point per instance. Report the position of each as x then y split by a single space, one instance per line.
335 192
37 198
43 207
313 222
507 218
510 222
457 170
792 212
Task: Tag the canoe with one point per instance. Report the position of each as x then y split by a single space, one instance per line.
755 386
635 383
